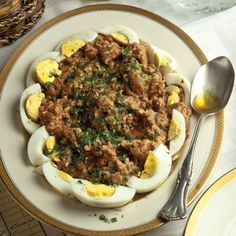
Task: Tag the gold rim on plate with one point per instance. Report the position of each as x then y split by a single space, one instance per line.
206 197
17 195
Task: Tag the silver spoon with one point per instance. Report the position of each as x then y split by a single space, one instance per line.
211 90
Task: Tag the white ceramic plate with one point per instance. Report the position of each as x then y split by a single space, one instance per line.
31 191
215 212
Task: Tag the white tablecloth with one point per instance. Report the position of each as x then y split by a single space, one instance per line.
214 33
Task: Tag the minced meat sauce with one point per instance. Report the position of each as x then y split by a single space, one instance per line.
107 110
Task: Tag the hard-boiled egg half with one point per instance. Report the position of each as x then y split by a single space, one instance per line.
177 132
162 59
177 79
30 102
101 195
58 179
38 142
173 94
73 43
44 68
156 169
122 34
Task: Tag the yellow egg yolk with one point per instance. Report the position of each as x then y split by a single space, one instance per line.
71 46
50 143
64 176
172 89
172 99
206 101
47 70
32 105
55 157
174 129
98 190
150 166
120 38
161 61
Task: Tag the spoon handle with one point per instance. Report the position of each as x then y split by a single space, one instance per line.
175 208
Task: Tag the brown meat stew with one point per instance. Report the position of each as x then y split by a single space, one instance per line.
107 110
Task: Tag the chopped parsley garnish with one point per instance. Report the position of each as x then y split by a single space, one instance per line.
113 79
99 121
122 157
129 137
97 176
105 219
86 138
69 78
48 85
126 51
82 65
122 107
134 65
90 136
113 170
121 153
52 74
74 111
113 220
144 75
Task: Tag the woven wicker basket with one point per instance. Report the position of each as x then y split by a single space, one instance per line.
17 17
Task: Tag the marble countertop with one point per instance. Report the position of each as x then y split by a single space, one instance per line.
215 33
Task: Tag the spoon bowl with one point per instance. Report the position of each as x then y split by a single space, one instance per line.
212 86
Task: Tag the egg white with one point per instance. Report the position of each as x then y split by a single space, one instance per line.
36 145
177 79
28 124
53 177
129 33
120 197
86 35
164 161
154 51
177 142
31 75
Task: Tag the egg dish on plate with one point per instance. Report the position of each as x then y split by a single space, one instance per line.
107 114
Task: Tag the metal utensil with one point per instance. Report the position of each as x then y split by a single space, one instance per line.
211 90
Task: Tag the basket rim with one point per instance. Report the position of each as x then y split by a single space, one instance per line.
24 12
14 26
13 8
